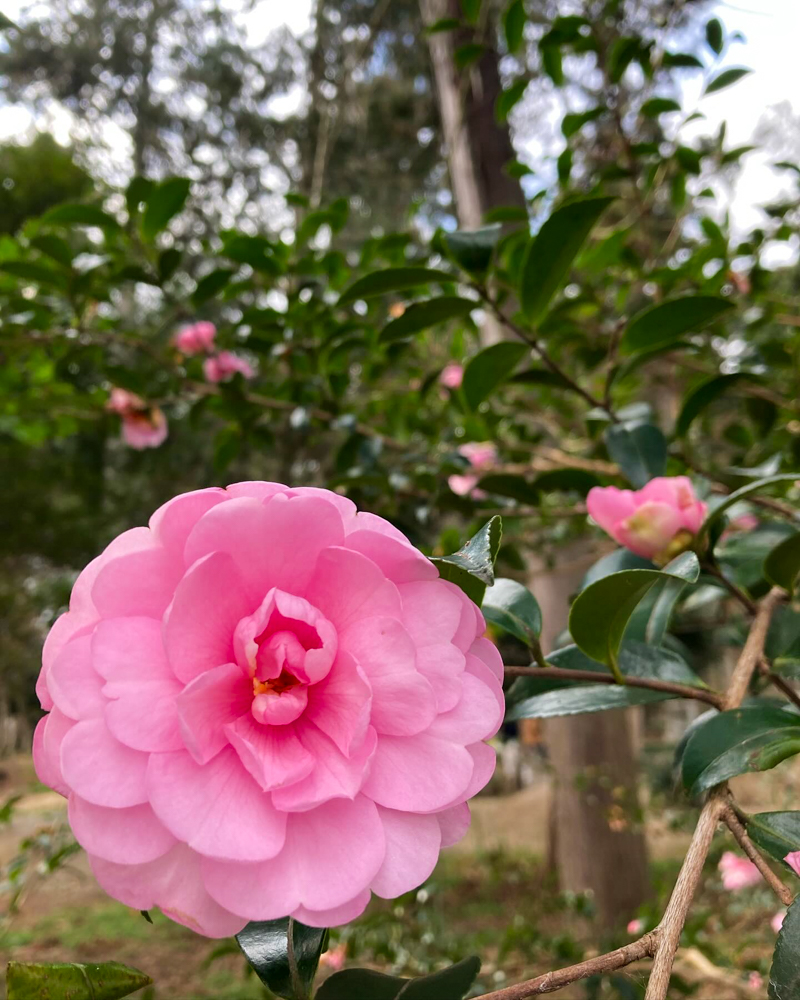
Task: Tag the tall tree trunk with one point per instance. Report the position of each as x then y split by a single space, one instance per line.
597 828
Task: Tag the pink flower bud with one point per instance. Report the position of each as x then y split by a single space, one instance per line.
738 872
452 376
144 429
755 981
121 401
195 339
223 366
479 454
657 522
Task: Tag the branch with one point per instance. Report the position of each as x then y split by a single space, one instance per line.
651 684
753 650
777 681
734 824
552 981
730 586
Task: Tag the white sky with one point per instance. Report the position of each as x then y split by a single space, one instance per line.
771 30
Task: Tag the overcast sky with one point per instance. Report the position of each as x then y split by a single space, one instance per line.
771 30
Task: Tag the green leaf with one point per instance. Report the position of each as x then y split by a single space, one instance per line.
552 64
551 252
465 55
421 315
640 451
666 322
572 123
472 567
508 98
514 25
472 249
42 981
740 494
714 35
601 612
681 60
704 394
168 261
735 742
266 947
659 106
211 285
488 369
54 247
136 194
28 271
725 79
784 976
163 203
777 833
614 562
443 24
471 9
545 695
782 565
79 215
363 984
566 481
513 608
393 279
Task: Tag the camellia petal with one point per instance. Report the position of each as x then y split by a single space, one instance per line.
412 850
129 836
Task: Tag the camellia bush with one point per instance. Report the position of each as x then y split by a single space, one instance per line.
275 700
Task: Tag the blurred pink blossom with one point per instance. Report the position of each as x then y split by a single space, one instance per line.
657 522
635 926
777 921
334 958
223 366
755 981
738 872
480 455
452 376
197 338
121 401
144 429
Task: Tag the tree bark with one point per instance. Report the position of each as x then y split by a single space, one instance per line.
596 812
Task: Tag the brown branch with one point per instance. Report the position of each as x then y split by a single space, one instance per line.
552 981
649 683
777 681
734 824
753 650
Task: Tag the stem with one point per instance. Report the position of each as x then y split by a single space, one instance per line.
548 362
552 981
734 824
294 972
777 681
753 650
730 586
651 684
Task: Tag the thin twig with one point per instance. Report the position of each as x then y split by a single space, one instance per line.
731 587
600 964
777 681
649 683
732 821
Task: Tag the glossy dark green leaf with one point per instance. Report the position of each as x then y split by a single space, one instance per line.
777 833
420 316
551 252
726 78
614 562
136 193
57 981
488 369
566 481
41 274
393 279
512 607
640 451
545 695
79 215
363 984
211 285
472 567
472 249
681 60
266 947
54 247
748 490
659 106
163 203
508 98
514 25
784 975
601 612
782 565
704 394
168 262
714 35
735 742
668 321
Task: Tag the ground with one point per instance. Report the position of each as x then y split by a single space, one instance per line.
490 896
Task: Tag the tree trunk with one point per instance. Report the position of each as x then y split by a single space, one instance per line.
597 818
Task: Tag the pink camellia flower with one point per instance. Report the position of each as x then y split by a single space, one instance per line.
452 376
198 338
266 704
143 426
334 958
755 981
738 872
777 920
657 522
481 455
223 366
144 429
635 926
